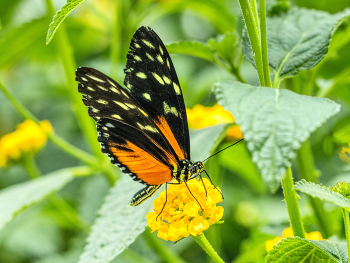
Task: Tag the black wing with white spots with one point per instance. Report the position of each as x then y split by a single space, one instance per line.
127 134
152 81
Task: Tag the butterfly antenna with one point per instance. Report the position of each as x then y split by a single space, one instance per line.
214 184
166 200
193 195
222 150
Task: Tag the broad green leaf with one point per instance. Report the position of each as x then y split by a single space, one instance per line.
60 16
323 193
296 250
118 224
205 141
196 49
224 46
341 131
297 40
16 42
274 123
16 198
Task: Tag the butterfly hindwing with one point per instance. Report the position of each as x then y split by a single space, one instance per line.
127 134
152 81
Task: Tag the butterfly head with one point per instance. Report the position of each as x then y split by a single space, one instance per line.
188 170
196 168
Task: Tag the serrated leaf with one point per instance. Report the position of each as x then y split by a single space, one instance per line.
118 225
201 145
16 198
274 123
296 250
297 40
195 49
60 16
15 42
322 193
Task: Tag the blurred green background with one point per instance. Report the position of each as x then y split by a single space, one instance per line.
34 73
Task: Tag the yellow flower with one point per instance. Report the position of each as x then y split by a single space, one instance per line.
288 232
28 138
345 154
201 117
182 216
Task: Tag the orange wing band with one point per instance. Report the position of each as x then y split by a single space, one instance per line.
141 163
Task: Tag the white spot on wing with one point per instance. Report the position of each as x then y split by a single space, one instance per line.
89 88
159 79
116 116
111 82
110 125
147 96
166 80
149 44
149 57
177 89
159 57
102 88
115 90
161 50
137 58
102 101
121 105
141 75
84 79
95 78
168 109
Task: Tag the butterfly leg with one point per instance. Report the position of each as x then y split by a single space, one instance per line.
213 184
193 195
166 200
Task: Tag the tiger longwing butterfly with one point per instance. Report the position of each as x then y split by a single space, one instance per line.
142 128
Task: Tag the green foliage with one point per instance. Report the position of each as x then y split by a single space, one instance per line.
295 250
324 193
307 55
274 123
16 198
297 40
60 16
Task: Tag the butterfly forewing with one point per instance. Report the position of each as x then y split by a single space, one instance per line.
152 81
127 134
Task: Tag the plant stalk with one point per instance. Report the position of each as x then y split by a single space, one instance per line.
264 52
205 245
347 228
254 37
291 198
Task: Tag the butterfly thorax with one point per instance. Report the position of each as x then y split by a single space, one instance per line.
187 170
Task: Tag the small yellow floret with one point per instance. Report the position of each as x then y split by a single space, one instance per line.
27 139
288 232
182 216
201 117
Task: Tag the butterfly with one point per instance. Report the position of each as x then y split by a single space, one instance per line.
142 128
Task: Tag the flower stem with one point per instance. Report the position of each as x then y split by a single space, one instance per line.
65 53
254 37
264 54
163 251
76 152
308 172
205 245
291 198
347 228
30 166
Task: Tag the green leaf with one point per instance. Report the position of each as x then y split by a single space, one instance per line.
323 193
224 46
341 131
296 250
274 123
192 48
60 16
17 42
16 198
297 40
201 145
118 224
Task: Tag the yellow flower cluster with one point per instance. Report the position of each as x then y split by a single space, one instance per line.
345 154
182 216
28 138
201 117
288 232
